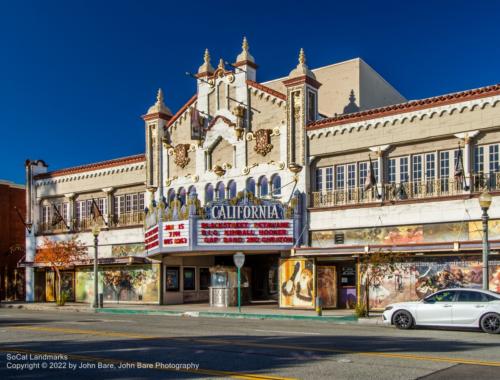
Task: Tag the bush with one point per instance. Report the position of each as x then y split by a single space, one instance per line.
63 298
360 310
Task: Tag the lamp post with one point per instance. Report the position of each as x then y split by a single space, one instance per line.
485 203
96 229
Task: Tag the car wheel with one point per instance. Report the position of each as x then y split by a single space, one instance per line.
403 320
490 323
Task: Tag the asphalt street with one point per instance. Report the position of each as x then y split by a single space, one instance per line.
57 345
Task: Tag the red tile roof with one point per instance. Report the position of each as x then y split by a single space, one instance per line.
266 89
93 166
414 105
181 110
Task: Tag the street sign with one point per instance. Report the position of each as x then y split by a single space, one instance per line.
239 259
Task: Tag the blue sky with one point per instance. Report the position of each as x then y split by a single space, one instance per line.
75 76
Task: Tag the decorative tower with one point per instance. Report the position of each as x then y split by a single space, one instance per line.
245 62
156 121
302 108
206 68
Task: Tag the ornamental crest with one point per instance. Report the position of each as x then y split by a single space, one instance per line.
181 155
263 141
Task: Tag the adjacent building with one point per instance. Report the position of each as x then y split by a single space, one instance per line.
303 174
12 241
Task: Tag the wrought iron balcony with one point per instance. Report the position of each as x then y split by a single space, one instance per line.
394 192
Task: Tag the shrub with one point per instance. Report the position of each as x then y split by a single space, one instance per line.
360 310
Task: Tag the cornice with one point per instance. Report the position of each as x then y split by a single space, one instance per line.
392 119
439 105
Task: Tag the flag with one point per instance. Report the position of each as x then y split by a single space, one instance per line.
459 166
58 218
196 124
370 181
459 169
94 210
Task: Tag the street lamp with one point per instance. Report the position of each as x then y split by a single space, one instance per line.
485 203
96 229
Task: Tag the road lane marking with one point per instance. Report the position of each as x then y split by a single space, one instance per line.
199 371
289 332
241 343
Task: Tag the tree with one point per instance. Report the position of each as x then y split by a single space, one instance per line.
374 267
60 255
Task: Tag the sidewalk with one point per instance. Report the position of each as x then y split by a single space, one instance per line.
254 311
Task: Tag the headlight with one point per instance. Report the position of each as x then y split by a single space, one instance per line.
389 308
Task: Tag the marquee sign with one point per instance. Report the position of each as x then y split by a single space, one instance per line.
244 222
167 235
267 232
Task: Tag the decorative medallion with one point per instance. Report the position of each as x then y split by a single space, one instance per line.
181 155
263 141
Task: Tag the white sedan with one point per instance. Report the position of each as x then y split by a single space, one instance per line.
450 308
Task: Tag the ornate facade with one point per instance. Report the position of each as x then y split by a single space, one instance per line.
277 170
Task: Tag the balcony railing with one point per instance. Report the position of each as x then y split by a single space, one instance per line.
123 220
128 219
343 197
393 192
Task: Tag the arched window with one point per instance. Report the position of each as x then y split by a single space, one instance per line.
209 193
170 196
276 185
191 189
251 185
221 191
181 194
263 186
231 189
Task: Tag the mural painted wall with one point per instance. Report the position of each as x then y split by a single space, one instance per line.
426 233
327 285
134 283
297 283
124 250
416 280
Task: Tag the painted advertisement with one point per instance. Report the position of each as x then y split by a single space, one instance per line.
134 283
409 234
297 283
415 280
327 285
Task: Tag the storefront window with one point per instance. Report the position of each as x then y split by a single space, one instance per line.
172 279
204 278
189 279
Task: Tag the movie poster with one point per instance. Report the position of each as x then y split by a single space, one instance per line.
137 283
297 283
413 281
327 285
50 295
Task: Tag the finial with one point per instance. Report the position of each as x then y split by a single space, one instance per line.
244 45
159 96
221 64
206 56
302 56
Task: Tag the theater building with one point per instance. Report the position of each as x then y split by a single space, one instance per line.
275 170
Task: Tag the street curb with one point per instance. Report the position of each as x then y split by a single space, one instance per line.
212 314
